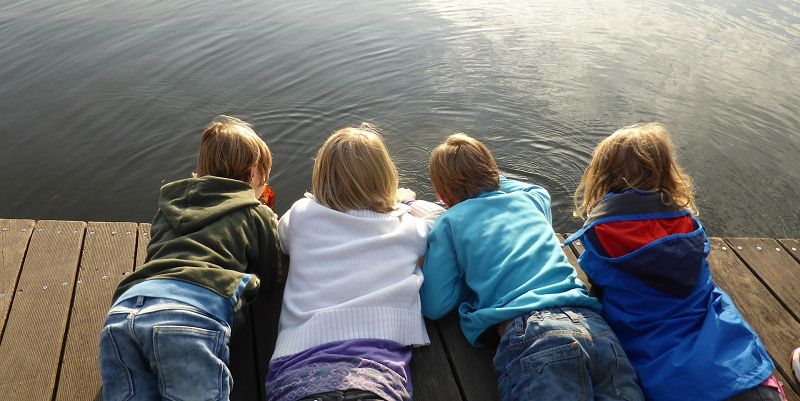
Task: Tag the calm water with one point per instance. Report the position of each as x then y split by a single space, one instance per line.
102 101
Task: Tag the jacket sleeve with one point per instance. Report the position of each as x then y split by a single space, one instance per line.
443 286
269 265
539 195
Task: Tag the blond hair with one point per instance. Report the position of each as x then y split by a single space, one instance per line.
353 171
461 168
639 156
230 148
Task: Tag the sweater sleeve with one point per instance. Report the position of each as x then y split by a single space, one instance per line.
443 287
427 211
539 195
283 231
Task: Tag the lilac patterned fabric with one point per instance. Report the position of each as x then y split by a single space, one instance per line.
379 366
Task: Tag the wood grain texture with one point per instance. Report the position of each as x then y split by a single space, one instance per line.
142 239
431 374
792 246
14 238
472 366
778 331
33 342
108 255
775 267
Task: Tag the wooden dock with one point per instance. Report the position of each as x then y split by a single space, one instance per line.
57 278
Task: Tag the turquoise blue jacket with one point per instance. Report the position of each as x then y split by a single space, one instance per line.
496 257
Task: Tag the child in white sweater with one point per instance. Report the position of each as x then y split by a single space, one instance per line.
351 308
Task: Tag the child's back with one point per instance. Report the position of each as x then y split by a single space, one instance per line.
494 255
503 245
207 233
168 329
647 252
351 308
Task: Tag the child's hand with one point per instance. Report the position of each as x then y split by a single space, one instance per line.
405 194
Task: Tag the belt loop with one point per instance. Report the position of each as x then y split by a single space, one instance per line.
139 301
575 317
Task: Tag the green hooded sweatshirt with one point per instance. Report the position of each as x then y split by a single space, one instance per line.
209 231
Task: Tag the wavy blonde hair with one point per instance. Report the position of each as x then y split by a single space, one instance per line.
639 156
230 148
353 171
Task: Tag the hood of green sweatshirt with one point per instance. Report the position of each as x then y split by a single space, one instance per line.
193 203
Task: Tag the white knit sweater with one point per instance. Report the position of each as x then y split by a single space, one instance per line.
352 275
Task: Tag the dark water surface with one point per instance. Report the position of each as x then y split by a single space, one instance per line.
102 101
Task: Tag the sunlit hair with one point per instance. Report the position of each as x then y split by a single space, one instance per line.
461 168
639 156
230 148
353 171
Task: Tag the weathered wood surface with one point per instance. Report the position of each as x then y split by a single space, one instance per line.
779 333
776 268
14 237
58 278
30 353
431 374
107 257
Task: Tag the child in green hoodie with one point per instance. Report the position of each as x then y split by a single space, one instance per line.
212 243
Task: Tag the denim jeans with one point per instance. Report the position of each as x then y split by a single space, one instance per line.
157 348
565 353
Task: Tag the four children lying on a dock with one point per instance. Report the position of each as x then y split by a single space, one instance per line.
355 294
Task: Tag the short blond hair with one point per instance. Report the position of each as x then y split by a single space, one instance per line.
353 171
230 148
461 168
639 156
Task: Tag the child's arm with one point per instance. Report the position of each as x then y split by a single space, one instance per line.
270 264
443 286
427 211
538 193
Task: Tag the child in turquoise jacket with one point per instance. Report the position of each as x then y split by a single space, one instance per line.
494 255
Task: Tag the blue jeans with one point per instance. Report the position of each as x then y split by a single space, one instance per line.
157 348
563 354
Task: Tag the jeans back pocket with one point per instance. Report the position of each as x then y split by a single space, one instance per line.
189 362
556 373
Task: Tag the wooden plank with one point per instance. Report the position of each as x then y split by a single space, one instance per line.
777 330
142 239
108 255
775 267
14 238
431 375
246 385
40 312
792 246
473 368
266 312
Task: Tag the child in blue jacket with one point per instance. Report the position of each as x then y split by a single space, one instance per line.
647 252
494 255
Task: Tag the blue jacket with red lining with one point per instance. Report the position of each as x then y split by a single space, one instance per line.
680 331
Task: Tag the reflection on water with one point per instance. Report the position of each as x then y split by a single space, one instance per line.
102 101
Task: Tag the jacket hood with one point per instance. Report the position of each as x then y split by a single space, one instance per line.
192 203
642 235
